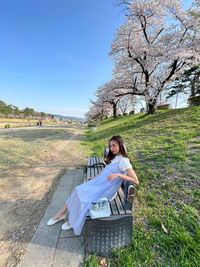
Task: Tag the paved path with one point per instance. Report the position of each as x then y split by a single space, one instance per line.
50 246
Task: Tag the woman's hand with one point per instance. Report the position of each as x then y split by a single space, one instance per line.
112 176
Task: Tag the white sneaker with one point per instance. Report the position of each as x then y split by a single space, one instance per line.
65 226
52 221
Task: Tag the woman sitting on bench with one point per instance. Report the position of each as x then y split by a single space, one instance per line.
106 184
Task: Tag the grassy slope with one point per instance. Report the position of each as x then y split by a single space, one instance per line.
165 153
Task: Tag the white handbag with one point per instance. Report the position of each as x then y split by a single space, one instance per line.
100 209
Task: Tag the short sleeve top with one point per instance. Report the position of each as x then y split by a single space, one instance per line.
124 163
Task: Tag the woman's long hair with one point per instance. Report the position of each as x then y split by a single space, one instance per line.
118 139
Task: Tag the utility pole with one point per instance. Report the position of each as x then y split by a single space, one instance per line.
176 100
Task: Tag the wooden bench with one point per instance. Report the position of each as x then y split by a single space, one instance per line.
104 234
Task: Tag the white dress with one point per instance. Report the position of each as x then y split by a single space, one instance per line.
80 200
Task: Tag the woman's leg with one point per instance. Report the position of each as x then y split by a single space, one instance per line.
61 212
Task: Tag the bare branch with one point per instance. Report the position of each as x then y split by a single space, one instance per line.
144 27
157 35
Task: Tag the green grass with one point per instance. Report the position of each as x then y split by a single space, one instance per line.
165 152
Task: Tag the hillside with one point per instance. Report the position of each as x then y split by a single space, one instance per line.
68 117
165 152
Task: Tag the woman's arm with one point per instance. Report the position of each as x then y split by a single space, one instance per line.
131 176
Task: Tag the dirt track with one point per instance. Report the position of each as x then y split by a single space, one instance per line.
34 161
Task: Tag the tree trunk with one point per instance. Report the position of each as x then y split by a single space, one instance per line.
114 110
101 115
192 84
151 107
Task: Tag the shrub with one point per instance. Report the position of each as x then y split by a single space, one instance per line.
163 107
7 125
194 100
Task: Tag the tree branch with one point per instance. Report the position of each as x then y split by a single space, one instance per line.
174 66
157 35
144 28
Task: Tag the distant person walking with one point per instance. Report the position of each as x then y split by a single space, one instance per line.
40 123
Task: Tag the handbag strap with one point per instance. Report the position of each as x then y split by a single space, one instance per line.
102 199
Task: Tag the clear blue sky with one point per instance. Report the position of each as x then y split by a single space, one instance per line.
54 54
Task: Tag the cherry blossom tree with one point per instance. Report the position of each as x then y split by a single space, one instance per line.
108 93
153 47
126 104
98 110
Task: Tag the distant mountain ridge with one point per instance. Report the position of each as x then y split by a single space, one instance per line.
68 117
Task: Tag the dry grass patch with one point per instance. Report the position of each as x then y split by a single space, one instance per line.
32 162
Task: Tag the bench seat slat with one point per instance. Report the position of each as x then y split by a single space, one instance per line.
119 205
99 167
88 169
92 169
113 208
95 167
121 196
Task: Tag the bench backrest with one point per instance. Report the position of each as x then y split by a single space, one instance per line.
95 166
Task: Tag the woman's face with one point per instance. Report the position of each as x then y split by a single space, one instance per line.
114 147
